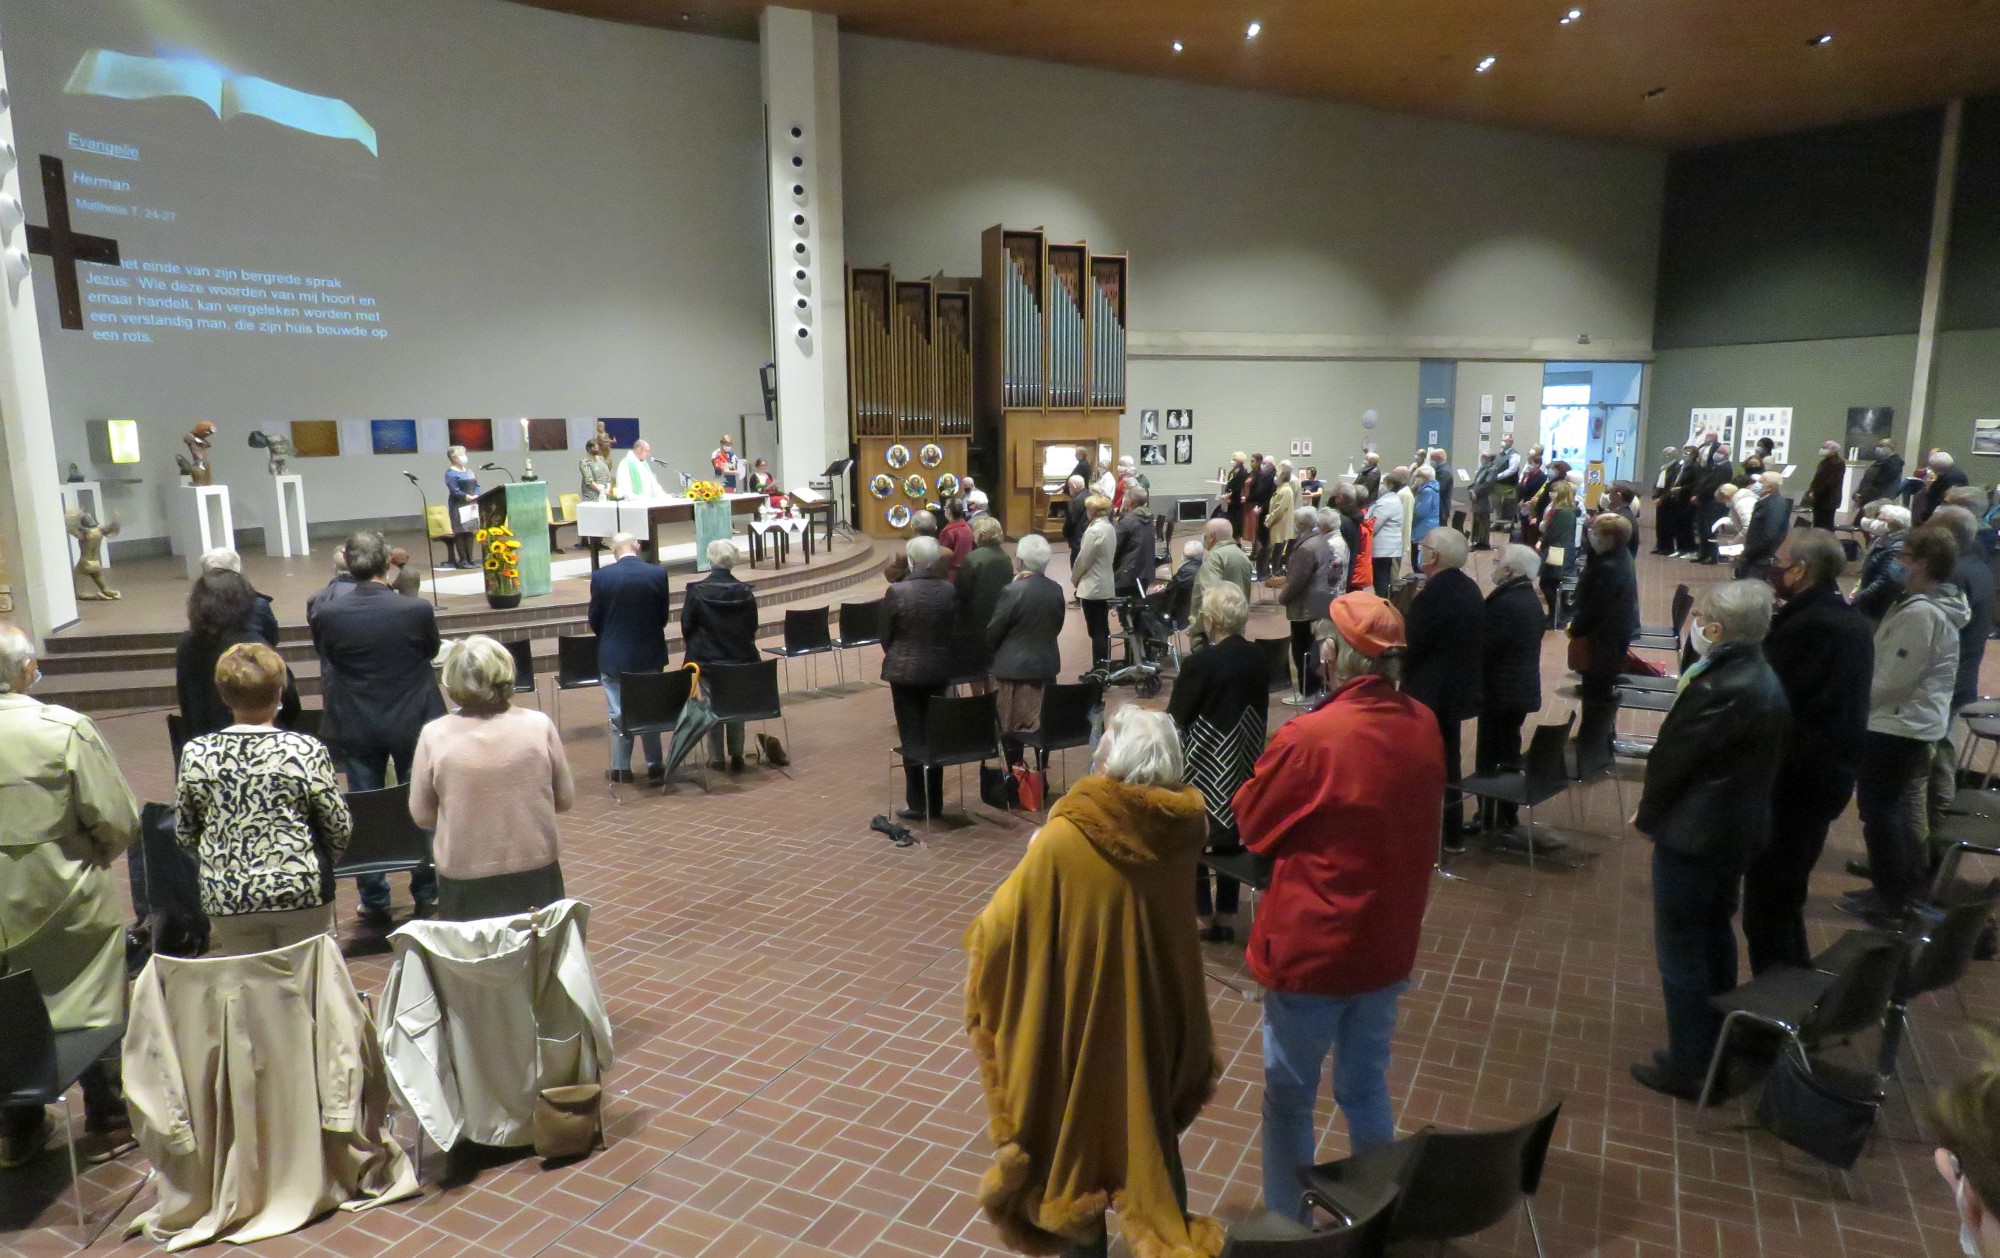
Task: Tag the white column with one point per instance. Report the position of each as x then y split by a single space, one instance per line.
33 539
801 73
1940 251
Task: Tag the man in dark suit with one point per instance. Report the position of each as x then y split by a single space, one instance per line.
1442 669
1823 495
1769 522
1823 652
1942 475
628 613
1708 511
333 591
1681 494
1884 477
375 649
1606 616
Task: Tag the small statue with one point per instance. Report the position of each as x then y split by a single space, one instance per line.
279 449
90 535
75 476
194 464
604 441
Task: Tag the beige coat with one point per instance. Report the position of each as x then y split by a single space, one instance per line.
65 815
257 1091
1278 518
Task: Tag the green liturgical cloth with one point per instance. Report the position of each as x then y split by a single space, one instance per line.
712 522
528 516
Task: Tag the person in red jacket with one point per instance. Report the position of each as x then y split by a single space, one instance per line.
1346 801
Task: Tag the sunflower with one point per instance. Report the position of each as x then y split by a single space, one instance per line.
493 565
513 574
481 536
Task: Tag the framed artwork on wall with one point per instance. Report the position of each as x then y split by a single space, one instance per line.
623 432
1149 425
315 438
1183 447
548 434
1180 420
1153 455
393 436
476 435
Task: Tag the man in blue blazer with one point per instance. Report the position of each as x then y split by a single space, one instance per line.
628 613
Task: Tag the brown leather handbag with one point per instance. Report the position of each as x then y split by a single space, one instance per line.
569 1121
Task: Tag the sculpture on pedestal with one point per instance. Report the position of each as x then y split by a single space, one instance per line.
90 535
194 464
279 449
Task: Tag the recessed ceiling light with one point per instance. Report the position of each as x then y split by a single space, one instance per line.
1817 40
1255 27
1177 45
1485 64
1574 15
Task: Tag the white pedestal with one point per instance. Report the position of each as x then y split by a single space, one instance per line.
291 530
73 495
1850 480
202 521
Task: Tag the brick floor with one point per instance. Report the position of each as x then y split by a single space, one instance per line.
792 1079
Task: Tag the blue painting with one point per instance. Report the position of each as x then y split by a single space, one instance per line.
393 436
623 432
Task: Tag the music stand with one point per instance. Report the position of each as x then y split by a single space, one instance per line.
835 480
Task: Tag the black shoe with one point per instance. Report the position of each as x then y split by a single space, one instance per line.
19 1152
736 764
1454 846
377 918
914 814
1864 898
426 909
1861 869
618 775
774 751
1666 1079
1219 933
1890 917
656 773
718 764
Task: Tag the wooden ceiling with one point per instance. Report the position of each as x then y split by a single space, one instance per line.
1729 68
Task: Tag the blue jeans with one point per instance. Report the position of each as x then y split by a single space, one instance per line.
1693 902
1298 1031
369 771
621 746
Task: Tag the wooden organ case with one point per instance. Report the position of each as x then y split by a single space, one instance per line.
910 393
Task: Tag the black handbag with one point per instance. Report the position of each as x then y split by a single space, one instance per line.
1808 1113
998 789
166 886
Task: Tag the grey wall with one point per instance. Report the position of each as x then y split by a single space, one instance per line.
566 219
1263 231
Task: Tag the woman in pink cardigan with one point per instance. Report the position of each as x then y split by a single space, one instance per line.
490 777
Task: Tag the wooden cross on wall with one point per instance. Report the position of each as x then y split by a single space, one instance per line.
64 247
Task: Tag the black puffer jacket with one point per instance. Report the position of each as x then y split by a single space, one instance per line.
1607 608
919 619
1512 669
719 620
1708 781
1823 652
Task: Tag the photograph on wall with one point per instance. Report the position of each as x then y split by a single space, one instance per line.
1760 422
1180 421
1719 420
1183 447
1865 426
1295 448
315 438
1306 448
1149 425
393 436
1986 436
1153 455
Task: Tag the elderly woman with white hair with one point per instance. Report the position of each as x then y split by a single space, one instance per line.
1510 673
490 778
1021 636
919 658
1090 1079
1887 526
1315 574
719 626
1221 704
1707 808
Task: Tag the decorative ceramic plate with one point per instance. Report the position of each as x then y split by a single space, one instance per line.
931 455
914 486
899 516
898 455
882 485
948 485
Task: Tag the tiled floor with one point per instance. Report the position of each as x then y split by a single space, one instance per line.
793 1079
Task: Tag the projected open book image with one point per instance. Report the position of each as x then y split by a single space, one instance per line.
121 76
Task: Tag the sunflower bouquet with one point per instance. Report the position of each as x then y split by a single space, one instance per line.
704 491
503 559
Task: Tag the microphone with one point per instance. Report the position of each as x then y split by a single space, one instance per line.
410 477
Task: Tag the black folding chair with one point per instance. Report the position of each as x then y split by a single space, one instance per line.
1277 661
1275 1236
576 666
1064 721
1940 953
1667 637
807 634
652 703
525 681
958 732
1543 775
860 625
1448 1184
745 692
39 1065
385 840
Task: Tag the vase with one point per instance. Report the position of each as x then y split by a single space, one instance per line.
713 521
504 602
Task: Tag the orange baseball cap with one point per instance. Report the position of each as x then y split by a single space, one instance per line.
1371 624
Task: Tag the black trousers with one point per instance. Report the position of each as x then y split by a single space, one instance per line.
1822 516
1705 518
1385 574
1804 804
1683 525
1889 794
923 790
1454 803
1227 890
1663 526
1497 749
1097 620
1302 657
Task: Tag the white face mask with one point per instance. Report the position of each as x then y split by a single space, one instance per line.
1874 528
1698 639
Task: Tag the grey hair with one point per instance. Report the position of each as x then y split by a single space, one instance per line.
1895 515
924 553
1971 497
619 541
367 555
924 523
221 559
1941 458
1224 610
1140 748
1075 483
1033 552
1518 560
17 651
1136 495
479 674
456 452
1449 545
1349 663
721 554
1960 523
1820 552
1742 608
1193 550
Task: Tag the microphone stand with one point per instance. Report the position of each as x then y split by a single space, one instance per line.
686 480
495 467
430 543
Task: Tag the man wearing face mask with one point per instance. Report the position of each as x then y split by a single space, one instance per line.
1909 709
1707 808
1884 477
1887 526
1442 669
1604 620
1708 509
1823 653
1766 531
1823 495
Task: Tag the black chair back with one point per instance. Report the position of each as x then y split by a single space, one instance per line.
1461 1182
1683 604
385 839
651 703
524 664
1277 660
1366 1237
1944 952
1862 988
576 661
1182 605
1544 765
307 721
1065 719
28 1049
806 631
743 692
177 735
960 731
861 623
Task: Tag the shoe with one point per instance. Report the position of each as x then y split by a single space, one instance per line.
1219 933
656 773
1454 847
426 910
1860 869
1665 1079
1881 915
774 751
1864 898
19 1152
618 775
915 814
1296 701
718 764
736 764
377 918
109 1119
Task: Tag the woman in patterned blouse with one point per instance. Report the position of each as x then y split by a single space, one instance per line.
260 808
